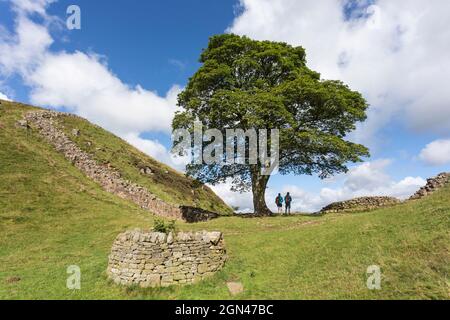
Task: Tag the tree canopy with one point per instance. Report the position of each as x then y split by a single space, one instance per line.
248 84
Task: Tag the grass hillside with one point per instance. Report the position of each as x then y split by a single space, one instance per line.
166 183
52 216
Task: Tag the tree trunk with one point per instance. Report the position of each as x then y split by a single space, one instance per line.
259 185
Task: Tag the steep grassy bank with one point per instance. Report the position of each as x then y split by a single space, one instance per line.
166 183
51 217
163 181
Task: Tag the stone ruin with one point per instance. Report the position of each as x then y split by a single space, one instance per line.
433 184
153 259
360 204
368 203
108 178
192 214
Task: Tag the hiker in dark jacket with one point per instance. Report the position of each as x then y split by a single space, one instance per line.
288 201
279 203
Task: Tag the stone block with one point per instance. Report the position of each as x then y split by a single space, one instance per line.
179 276
177 254
202 268
235 288
151 281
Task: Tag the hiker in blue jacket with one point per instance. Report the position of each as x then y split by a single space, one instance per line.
288 201
279 203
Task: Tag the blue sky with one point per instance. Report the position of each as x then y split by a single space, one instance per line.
145 51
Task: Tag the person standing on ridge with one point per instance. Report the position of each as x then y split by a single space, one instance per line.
279 203
288 201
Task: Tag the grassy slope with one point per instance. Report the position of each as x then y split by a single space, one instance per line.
168 184
51 217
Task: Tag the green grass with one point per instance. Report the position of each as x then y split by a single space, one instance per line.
168 184
52 216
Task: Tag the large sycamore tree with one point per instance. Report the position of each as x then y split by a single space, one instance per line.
247 84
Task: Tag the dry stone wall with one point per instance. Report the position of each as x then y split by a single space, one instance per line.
152 259
108 178
360 204
191 214
433 184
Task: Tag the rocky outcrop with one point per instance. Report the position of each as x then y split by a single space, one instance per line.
22 124
152 259
192 214
433 184
108 178
360 204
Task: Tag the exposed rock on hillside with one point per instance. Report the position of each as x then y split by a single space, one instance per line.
360 204
192 214
433 184
22 124
105 175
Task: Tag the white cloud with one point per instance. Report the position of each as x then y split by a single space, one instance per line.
368 176
243 201
437 153
367 179
82 82
85 85
156 150
397 54
150 147
4 97
24 50
31 6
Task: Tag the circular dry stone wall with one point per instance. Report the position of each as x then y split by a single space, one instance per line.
153 259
